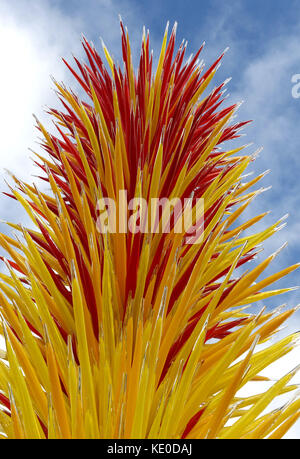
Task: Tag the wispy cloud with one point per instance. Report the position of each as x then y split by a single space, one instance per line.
262 72
265 84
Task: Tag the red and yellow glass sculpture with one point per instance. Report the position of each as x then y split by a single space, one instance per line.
127 334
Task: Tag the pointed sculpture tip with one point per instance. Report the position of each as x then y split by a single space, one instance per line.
265 173
227 81
285 217
294 371
277 252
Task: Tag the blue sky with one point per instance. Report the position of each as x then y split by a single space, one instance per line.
264 41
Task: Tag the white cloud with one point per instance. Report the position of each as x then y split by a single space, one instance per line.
277 370
33 37
32 40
